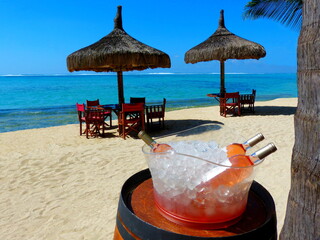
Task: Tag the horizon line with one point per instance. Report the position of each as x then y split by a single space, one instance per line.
113 73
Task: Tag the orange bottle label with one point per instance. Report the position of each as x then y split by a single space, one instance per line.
232 176
161 147
235 149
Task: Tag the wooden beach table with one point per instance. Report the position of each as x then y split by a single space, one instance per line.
214 95
113 107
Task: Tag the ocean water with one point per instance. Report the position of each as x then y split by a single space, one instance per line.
43 101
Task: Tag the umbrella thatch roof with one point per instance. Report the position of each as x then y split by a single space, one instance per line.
223 45
117 52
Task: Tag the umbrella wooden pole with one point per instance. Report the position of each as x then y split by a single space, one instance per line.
120 88
222 88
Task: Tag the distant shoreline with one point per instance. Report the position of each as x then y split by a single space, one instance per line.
128 74
49 116
42 101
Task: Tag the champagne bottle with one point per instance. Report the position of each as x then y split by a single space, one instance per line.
231 176
238 148
156 147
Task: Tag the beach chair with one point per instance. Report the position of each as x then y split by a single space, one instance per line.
107 112
138 100
81 115
230 104
95 123
248 99
131 119
93 103
156 112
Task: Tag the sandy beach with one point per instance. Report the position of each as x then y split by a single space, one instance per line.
56 184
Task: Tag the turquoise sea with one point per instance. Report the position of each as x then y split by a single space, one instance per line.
36 101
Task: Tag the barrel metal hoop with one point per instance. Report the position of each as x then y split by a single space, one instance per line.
125 234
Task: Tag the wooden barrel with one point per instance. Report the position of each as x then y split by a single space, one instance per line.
138 217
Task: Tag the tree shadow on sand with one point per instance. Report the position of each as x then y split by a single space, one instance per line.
186 127
271 110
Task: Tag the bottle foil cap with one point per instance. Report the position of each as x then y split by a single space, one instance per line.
145 137
265 151
254 140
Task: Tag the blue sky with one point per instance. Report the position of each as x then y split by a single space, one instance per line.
37 36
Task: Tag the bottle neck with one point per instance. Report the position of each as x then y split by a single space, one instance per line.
252 141
254 158
246 146
147 139
262 153
153 144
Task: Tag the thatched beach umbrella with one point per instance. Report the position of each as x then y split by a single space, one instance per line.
223 45
117 52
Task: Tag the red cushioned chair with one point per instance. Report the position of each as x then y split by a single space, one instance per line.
131 119
107 113
95 124
94 103
138 100
230 104
81 115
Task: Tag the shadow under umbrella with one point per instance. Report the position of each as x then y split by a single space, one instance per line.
186 127
274 110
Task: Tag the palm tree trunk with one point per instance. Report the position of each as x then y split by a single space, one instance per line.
303 208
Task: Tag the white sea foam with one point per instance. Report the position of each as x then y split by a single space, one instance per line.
159 73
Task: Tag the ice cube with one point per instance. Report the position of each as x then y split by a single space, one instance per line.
179 172
215 170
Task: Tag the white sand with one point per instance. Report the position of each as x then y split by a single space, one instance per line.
58 185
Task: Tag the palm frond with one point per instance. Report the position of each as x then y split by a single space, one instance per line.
287 12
